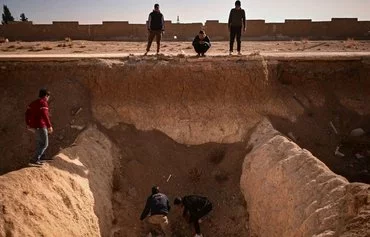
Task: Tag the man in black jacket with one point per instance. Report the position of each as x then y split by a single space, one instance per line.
155 27
157 207
201 43
194 208
236 22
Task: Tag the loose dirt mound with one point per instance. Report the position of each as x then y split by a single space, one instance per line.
291 193
71 196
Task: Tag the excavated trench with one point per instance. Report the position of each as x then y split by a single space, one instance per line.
203 126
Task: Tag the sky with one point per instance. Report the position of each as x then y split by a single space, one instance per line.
136 11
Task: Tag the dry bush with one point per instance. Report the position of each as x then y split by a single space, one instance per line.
350 43
67 39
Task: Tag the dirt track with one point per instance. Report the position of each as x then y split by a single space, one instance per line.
189 117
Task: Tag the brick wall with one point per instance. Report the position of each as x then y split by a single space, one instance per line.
337 28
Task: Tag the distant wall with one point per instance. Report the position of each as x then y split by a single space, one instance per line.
337 28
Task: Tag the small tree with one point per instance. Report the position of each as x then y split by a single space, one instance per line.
23 17
7 16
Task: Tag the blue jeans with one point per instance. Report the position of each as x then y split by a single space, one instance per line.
42 142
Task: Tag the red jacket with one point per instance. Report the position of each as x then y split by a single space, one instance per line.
37 114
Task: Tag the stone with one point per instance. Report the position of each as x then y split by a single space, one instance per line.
357 132
77 127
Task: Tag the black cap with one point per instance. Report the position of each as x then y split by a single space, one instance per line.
156 6
202 32
238 3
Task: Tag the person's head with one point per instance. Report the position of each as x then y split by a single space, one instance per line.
238 4
202 34
155 190
177 202
156 7
44 93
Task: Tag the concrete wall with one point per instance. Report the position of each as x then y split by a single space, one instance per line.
337 28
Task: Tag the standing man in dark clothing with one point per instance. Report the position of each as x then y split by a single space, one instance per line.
194 208
236 22
157 207
155 27
201 43
38 121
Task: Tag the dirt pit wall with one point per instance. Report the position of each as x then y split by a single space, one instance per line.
291 193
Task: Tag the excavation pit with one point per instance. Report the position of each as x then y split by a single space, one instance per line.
219 127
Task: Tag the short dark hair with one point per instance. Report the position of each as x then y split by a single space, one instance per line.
238 3
43 92
202 32
155 189
177 201
156 6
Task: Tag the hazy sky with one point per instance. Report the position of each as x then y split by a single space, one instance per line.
136 11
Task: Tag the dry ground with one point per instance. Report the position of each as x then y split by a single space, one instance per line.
218 48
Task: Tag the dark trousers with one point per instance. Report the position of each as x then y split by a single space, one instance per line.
235 31
42 142
201 48
158 36
196 216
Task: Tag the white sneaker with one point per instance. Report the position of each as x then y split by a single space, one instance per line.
230 53
198 235
239 53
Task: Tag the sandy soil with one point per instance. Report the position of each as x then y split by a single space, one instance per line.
218 48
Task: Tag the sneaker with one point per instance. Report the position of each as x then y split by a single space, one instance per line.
231 53
198 235
239 53
146 53
36 162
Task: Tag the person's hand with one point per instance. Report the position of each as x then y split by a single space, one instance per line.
245 29
162 32
50 130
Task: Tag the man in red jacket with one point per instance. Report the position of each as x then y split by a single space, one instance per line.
37 120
